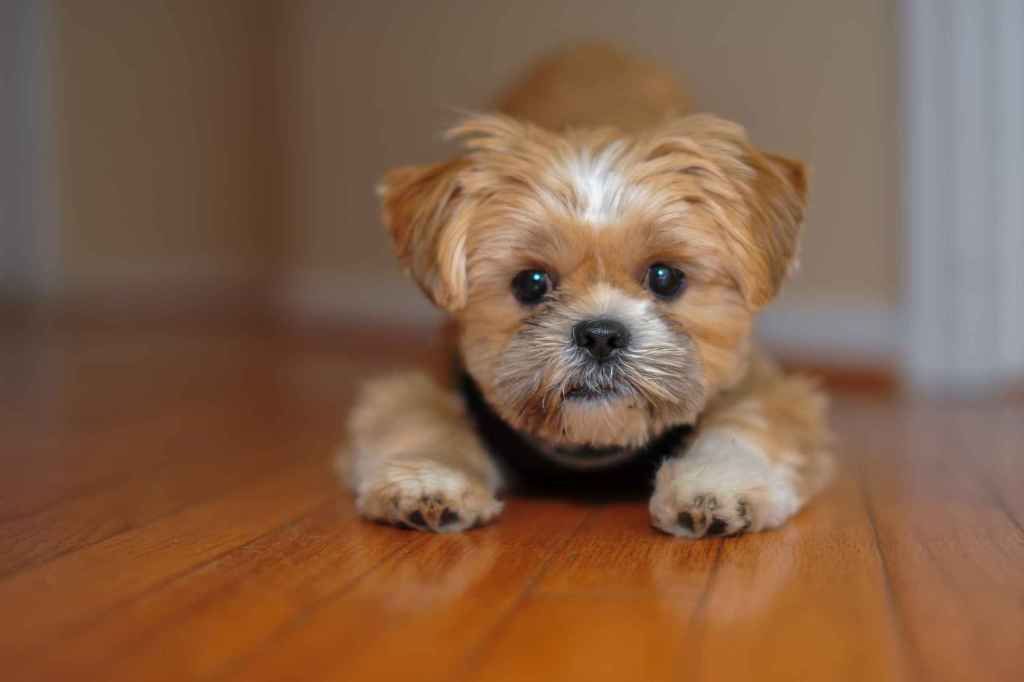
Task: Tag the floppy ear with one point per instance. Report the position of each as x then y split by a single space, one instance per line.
422 206
794 172
778 200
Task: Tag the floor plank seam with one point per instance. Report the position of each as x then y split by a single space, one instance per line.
472 659
984 478
83 490
1000 503
73 494
696 625
106 481
28 566
228 668
207 600
893 602
71 629
271 473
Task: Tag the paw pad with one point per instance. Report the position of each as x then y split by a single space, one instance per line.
686 521
705 515
437 516
718 526
448 517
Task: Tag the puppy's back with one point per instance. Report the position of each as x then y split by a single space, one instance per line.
594 85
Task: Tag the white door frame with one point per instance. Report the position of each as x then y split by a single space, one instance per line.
963 88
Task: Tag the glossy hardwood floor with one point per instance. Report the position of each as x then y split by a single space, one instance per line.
167 512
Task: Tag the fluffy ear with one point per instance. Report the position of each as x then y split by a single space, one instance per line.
778 201
795 172
422 207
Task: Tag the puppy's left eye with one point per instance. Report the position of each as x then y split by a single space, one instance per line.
665 281
530 286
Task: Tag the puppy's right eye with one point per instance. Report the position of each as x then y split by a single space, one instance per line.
530 286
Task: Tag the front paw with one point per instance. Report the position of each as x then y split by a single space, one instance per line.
427 496
722 486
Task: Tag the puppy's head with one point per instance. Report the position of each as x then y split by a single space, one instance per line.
604 284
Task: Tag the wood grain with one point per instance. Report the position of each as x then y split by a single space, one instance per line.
953 550
168 512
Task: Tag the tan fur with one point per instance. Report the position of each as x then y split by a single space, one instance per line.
594 85
595 207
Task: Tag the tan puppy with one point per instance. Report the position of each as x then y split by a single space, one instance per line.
602 270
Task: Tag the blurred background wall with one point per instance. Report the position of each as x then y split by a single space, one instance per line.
227 151
164 125
371 85
24 131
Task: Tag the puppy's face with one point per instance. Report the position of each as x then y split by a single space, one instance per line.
604 285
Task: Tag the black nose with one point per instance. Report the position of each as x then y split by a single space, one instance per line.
601 338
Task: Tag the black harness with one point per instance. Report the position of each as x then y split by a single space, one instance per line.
531 470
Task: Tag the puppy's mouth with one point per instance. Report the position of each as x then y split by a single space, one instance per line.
583 392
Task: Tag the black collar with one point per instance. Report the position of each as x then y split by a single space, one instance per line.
529 467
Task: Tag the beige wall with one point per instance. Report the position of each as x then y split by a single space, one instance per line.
164 158
372 86
239 140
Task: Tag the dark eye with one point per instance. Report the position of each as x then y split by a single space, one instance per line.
665 281
529 286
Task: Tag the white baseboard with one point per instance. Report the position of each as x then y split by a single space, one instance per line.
840 331
130 279
196 286
355 297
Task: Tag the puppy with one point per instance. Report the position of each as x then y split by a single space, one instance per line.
601 256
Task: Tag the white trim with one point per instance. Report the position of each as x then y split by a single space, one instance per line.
184 287
833 330
963 178
1008 171
825 330
128 279
364 297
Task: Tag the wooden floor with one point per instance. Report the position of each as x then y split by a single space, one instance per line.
167 512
